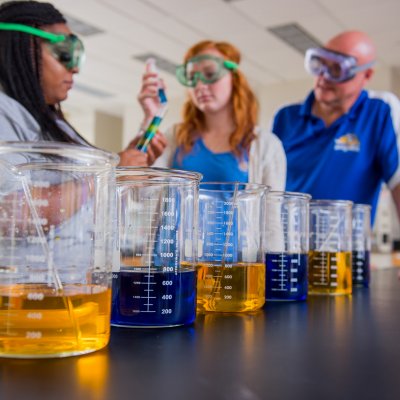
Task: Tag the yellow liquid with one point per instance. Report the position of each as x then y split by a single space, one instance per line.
230 288
36 321
329 273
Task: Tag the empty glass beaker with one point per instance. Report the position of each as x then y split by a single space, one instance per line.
286 245
361 244
329 264
231 269
57 241
155 285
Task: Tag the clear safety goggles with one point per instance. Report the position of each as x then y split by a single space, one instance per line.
333 66
67 49
206 68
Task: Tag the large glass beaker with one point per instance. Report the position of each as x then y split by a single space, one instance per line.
286 245
231 269
361 244
330 266
57 243
155 285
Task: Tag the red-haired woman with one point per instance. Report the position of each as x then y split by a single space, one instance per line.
218 136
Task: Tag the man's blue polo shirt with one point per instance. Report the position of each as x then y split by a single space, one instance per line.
348 160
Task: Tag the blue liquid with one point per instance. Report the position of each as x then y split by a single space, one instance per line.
156 299
286 276
361 268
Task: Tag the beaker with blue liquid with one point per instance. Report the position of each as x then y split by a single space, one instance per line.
155 283
231 269
286 246
361 244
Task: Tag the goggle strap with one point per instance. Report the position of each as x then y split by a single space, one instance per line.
344 55
51 37
231 65
363 67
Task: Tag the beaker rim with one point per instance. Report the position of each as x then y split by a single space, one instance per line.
246 186
156 172
362 205
89 154
330 202
296 195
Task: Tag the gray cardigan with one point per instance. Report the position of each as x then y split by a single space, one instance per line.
18 124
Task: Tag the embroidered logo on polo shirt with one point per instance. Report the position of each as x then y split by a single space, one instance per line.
347 142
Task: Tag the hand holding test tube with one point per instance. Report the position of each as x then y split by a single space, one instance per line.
152 128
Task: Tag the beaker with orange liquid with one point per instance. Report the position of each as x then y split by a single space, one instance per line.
330 258
231 268
57 246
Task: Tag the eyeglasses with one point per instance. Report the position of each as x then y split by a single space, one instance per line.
206 68
333 66
67 49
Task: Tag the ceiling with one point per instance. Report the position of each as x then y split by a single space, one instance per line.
111 77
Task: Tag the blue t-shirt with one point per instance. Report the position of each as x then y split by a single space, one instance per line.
348 160
215 167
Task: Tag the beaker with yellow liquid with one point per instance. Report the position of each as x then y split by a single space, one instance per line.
231 269
57 246
330 258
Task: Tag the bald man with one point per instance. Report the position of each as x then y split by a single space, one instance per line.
342 142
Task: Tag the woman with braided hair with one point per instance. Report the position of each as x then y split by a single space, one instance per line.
39 57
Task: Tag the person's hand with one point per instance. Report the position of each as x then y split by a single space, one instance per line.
131 157
156 147
148 95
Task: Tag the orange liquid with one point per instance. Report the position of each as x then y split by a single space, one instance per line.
36 321
329 273
230 288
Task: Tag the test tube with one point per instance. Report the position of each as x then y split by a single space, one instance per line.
361 244
152 127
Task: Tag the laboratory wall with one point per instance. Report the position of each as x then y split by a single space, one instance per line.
108 131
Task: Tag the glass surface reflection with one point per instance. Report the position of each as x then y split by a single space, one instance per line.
230 334
92 372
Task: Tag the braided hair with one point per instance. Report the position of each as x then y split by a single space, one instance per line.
21 61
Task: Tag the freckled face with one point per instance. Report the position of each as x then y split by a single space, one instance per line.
213 97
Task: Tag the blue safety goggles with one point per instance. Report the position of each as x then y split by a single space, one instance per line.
333 66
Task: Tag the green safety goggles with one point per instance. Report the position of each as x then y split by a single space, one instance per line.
206 68
67 49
